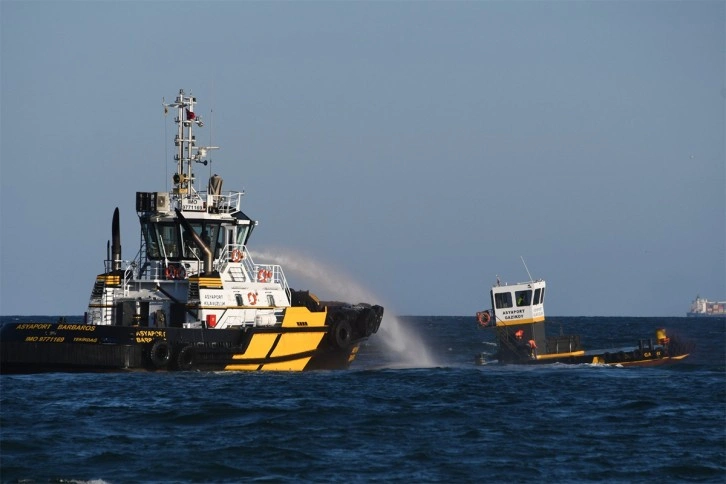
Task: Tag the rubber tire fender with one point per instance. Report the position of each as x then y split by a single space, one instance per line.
160 353
371 323
186 358
343 334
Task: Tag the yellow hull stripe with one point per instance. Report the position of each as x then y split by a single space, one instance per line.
254 367
353 354
296 315
280 345
680 357
514 322
292 365
643 362
259 346
292 343
560 355
207 282
109 280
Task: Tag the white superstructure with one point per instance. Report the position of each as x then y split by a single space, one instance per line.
193 264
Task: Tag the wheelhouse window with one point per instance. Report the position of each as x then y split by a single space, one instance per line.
191 251
210 235
152 242
503 300
523 298
169 238
242 234
172 241
537 295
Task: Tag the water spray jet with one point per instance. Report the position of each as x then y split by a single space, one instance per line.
401 344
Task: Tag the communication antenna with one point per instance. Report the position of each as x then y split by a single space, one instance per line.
525 268
166 145
211 125
211 128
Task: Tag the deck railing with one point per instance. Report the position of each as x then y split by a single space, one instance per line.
266 273
148 270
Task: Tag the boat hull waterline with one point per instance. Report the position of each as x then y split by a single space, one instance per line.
42 347
627 357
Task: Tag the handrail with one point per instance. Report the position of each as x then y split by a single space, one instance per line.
228 202
273 273
252 270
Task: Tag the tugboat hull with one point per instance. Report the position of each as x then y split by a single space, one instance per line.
48 347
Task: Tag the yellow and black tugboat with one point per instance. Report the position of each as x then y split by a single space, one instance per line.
517 316
192 298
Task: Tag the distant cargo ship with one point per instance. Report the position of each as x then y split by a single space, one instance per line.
701 307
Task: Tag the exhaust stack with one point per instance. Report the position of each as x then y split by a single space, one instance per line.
208 259
116 242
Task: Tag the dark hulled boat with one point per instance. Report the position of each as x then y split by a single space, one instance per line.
517 316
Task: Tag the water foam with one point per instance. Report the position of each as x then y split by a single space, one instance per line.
401 344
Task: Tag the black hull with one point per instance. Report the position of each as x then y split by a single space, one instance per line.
645 354
46 347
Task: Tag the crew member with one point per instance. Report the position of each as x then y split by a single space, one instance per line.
526 349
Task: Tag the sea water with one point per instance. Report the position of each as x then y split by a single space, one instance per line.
385 419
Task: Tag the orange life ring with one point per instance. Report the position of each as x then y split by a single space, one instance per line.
483 318
237 255
175 272
264 275
252 298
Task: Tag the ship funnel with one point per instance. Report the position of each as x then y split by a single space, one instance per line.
116 242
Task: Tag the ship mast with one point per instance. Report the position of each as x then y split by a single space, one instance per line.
186 144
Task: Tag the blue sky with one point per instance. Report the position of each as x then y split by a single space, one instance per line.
413 149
